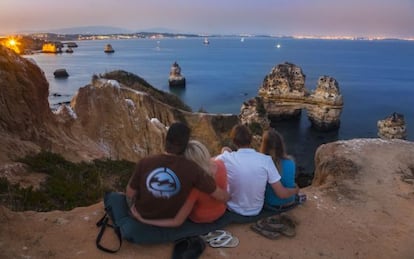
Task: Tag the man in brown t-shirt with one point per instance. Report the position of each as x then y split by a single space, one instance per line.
161 183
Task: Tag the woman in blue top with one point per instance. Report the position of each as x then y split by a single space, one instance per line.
274 146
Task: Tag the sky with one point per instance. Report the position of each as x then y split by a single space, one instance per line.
365 18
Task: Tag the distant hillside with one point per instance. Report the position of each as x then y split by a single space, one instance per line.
163 30
91 30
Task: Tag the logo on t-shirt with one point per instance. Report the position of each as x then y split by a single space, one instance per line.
163 183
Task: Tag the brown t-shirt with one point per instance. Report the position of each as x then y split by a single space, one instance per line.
163 183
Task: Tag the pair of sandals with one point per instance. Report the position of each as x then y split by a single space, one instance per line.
220 238
274 226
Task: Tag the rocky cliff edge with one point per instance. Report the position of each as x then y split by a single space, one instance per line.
360 205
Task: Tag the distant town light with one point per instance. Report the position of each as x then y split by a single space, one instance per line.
12 44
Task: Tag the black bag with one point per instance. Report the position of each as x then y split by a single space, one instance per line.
103 224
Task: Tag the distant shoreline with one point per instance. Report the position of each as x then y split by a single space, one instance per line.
159 35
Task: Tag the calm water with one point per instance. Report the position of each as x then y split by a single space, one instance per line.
376 78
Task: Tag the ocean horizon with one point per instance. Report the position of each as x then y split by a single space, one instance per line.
376 78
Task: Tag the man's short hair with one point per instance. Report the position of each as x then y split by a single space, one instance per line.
177 138
241 135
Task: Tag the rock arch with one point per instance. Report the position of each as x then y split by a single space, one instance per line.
283 95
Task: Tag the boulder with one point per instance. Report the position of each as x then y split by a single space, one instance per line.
392 127
61 73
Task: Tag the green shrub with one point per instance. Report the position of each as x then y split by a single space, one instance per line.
68 184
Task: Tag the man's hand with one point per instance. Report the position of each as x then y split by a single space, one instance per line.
221 195
130 201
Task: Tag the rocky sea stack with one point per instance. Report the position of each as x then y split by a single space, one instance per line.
176 79
392 127
283 96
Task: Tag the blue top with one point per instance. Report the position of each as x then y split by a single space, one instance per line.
288 181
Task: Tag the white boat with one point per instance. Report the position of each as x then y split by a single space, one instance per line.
242 39
278 46
206 41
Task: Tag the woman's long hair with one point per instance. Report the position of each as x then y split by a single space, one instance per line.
273 145
199 153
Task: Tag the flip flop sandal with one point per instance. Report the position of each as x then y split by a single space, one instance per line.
286 219
214 235
270 225
281 223
289 224
268 234
225 241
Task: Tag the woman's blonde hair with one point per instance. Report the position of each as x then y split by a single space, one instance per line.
199 153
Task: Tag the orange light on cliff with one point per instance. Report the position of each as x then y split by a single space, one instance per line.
13 44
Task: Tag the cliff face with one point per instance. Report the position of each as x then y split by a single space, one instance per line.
105 119
129 124
27 124
23 106
23 97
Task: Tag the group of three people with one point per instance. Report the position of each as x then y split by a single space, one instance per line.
185 182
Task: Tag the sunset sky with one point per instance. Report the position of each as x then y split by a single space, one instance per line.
376 18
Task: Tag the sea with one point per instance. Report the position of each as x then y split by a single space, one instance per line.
376 77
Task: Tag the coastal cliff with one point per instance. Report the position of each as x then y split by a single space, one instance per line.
118 117
27 124
359 204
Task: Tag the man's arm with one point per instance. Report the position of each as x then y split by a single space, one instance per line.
130 196
283 192
178 220
220 194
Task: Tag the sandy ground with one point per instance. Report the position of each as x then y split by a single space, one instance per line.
368 216
325 230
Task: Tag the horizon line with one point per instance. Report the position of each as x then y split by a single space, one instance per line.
308 36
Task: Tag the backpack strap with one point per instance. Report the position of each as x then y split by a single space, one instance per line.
103 223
